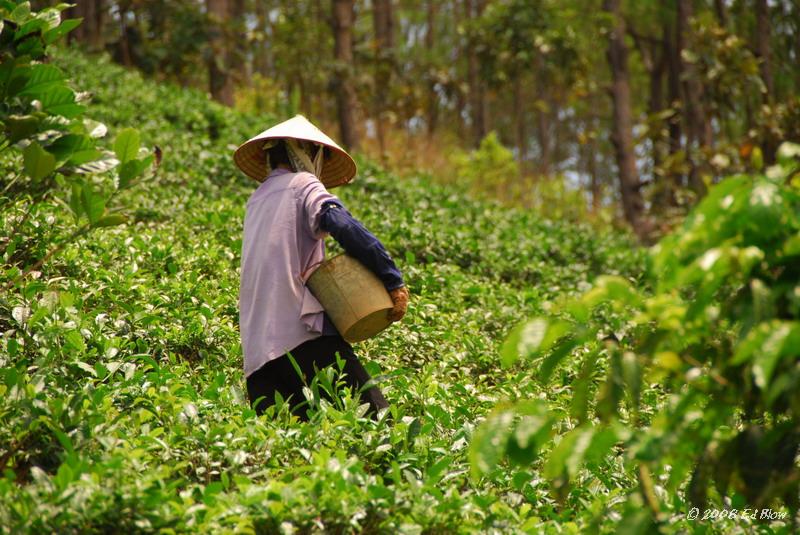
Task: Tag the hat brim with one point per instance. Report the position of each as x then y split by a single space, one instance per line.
337 169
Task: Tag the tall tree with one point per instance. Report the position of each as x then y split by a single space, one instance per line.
261 55
343 84
622 127
697 120
90 32
383 26
721 11
237 42
220 81
432 105
763 36
672 52
477 97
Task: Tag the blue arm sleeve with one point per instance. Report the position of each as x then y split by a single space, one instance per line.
360 243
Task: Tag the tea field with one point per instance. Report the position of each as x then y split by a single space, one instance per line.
122 397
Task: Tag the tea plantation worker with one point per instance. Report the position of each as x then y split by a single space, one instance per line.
286 221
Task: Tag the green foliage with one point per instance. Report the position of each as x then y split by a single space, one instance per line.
490 168
48 151
121 386
717 341
491 171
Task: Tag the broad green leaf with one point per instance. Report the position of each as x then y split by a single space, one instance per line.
583 445
29 27
434 471
75 342
61 101
517 431
554 358
75 203
606 288
21 126
84 156
766 345
568 453
132 169
93 204
126 145
37 162
44 78
63 147
579 405
632 374
110 220
531 338
530 431
603 440
88 368
21 13
792 246
66 26
14 75
488 444
63 439
611 392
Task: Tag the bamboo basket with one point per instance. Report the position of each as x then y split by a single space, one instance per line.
354 298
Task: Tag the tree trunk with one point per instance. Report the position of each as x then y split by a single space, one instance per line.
237 43
543 136
126 56
472 10
622 130
596 186
654 61
430 41
672 53
763 35
90 31
519 122
722 12
261 63
383 26
97 40
220 81
763 52
655 105
698 126
346 102
588 160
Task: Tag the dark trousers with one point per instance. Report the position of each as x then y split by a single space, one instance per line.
279 375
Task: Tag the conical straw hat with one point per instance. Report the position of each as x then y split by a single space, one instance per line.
337 169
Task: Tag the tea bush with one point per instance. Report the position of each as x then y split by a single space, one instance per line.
121 389
718 339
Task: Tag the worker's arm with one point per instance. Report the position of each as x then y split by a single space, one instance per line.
360 243
325 214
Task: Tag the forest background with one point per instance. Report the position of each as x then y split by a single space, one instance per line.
605 107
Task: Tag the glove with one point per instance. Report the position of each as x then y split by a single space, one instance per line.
400 299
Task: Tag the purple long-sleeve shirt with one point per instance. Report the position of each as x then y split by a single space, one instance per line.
286 221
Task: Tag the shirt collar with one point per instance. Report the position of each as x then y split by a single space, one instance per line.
278 171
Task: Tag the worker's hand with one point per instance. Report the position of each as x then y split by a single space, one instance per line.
400 299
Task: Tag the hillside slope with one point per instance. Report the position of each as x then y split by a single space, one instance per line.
124 397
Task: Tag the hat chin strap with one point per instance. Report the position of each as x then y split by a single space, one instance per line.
301 160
